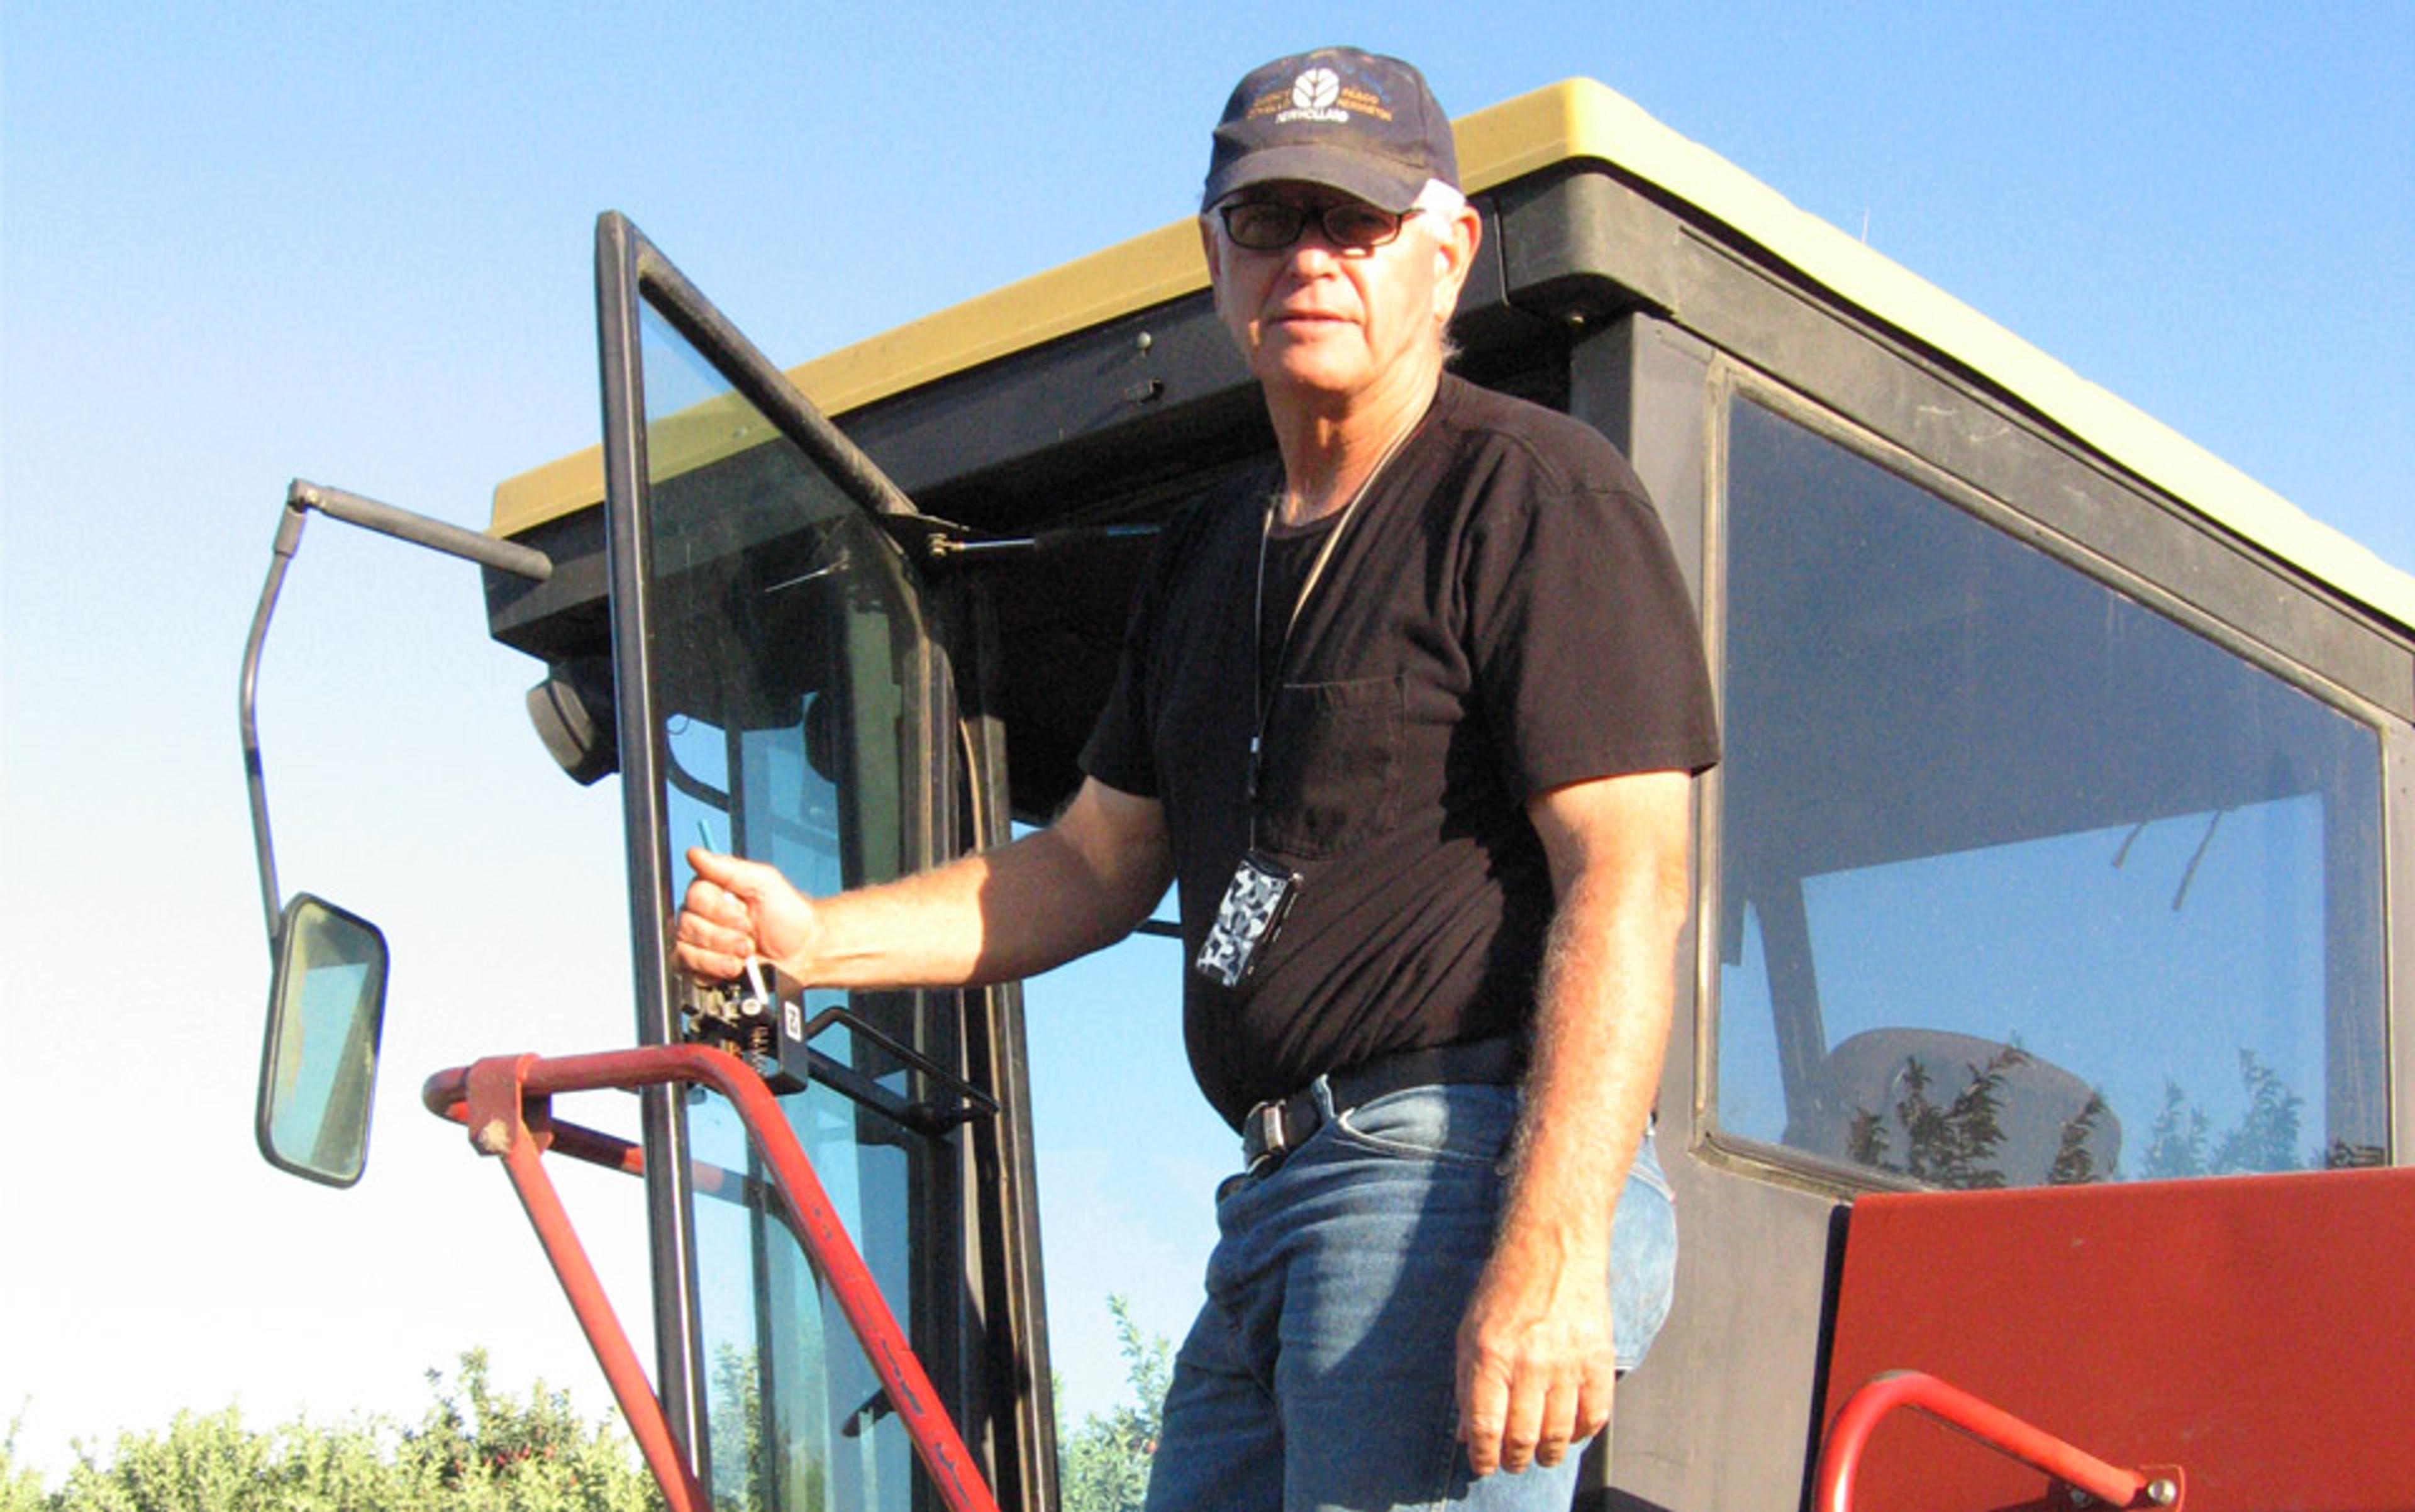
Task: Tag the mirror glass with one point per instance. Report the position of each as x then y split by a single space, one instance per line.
318 1067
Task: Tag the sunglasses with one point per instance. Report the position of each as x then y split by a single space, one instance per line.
1271 225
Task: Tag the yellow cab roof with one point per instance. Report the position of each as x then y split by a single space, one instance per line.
1578 119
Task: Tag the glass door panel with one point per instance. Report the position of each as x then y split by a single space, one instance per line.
791 689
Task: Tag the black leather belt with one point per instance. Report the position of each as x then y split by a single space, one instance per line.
1279 1126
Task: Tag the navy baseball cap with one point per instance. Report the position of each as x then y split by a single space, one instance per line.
1353 121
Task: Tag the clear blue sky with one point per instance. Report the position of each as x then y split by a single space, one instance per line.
244 243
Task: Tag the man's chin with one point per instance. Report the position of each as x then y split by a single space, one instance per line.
1301 369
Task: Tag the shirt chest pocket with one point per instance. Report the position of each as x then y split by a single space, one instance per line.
1332 759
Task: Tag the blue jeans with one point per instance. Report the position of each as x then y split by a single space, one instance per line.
1319 1373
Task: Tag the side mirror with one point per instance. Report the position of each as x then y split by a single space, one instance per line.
318 1066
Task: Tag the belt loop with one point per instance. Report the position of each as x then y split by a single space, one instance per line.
1321 1091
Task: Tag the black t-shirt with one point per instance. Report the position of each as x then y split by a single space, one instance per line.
1501 616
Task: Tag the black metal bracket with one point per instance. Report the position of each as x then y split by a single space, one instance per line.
932 1116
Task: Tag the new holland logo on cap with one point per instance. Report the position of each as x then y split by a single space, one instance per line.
1319 94
1353 121
1315 90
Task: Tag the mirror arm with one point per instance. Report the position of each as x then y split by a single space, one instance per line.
289 537
353 509
419 530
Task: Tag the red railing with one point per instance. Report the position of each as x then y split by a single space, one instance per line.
506 1102
1999 1429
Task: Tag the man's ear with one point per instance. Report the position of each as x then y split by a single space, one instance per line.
1455 256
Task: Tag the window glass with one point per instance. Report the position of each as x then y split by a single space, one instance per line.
2023 882
792 679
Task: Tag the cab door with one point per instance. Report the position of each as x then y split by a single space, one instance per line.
784 692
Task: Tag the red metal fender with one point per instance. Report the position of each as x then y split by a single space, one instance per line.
2254 1329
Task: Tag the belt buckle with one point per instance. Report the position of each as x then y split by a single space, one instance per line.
1263 1128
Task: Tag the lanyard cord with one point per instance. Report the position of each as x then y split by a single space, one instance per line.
1265 696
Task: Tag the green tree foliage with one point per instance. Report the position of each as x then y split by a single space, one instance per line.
735 1436
1954 1145
2264 1138
1955 1142
740 1465
2267 1136
21 1490
2074 1156
1951 1144
2176 1144
1102 1466
473 1450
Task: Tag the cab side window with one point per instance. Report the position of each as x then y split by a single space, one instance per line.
2022 881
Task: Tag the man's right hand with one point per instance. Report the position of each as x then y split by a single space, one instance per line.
736 908
993 916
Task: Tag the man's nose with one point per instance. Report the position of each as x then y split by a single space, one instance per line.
1313 251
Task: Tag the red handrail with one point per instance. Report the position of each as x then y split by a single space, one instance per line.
506 1102
1849 1434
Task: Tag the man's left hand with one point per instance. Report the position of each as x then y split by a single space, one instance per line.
1536 1358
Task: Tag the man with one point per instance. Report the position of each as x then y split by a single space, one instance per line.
1412 726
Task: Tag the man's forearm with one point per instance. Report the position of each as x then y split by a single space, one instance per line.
1014 911
1007 913
1601 1028
1537 1347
